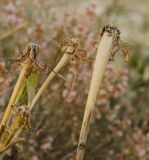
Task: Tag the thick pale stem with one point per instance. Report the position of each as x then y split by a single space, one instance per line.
102 58
16 90
65 59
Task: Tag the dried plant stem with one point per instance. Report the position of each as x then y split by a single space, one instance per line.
69 51
17 124
15 141
102 58
20 116
16 90
9 33
64 60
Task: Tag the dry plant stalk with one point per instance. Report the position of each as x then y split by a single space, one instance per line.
21 120
9 33
109 38
17 124
30 54
22 114
69 50
17 141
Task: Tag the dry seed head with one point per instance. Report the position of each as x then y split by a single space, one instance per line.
33 50
70 45
75 42
112 30
117 42
33 46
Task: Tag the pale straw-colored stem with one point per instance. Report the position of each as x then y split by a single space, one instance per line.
21 79
64 60
102 58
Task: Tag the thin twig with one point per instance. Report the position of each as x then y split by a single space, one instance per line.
9 33
69 52
60 65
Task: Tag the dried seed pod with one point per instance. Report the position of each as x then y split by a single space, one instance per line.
31 52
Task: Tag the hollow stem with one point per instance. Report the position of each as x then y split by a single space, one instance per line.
102 58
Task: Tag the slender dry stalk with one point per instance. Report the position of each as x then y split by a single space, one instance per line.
28 53
21 117
109 39
61 64
17 124
9 33
69 52
16 90
15 141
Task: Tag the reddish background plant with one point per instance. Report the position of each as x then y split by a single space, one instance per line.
120 120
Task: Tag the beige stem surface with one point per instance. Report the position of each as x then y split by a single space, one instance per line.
16 90
102 58
66 57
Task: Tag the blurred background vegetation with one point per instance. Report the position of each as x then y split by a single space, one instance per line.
120 126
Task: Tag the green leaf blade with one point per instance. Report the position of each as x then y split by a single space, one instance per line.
32 82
